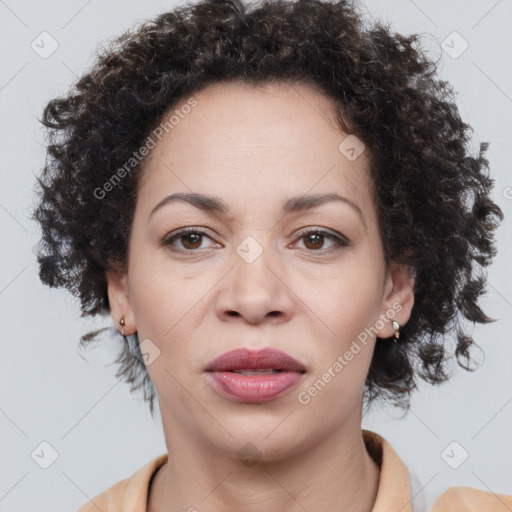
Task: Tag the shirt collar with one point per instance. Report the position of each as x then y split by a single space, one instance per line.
394 491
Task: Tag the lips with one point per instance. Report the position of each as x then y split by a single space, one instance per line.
253 377
246 360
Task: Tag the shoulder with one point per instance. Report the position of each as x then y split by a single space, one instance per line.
129 494
469 499
109 500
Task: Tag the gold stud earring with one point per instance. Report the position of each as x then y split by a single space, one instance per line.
396 327
122 322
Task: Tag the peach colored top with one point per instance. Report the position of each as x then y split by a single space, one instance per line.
393 495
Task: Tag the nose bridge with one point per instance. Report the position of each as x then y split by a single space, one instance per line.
253 289
253 260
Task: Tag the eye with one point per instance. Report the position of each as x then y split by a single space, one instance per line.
314 238
190 238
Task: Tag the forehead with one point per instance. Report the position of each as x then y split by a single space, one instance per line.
245 139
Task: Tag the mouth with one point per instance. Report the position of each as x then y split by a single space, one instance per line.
254 377
245 361
256 372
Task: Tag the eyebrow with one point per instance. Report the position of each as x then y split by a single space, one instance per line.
211 204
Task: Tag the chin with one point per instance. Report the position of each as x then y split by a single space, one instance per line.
266 439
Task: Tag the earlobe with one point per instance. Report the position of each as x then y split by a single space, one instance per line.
398 297
119 300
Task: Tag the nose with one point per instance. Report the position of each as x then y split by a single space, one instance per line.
255 292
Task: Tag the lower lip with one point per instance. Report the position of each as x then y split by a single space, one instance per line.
253 388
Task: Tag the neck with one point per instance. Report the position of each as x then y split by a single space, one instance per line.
334 474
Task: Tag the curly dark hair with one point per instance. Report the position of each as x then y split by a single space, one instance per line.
433 197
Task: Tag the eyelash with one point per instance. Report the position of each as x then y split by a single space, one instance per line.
340 242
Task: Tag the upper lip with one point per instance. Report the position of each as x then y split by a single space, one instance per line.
264 359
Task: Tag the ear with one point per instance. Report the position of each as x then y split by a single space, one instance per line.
398 298
119 300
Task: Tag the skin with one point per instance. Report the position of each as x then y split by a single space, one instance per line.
254 148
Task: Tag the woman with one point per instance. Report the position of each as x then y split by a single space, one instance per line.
277 208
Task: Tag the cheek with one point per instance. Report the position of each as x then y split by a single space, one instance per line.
154 294
337 388
349 303
348 298
167 302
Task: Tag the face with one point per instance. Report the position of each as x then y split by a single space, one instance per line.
249 275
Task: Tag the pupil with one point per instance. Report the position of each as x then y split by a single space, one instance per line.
193 236
317 237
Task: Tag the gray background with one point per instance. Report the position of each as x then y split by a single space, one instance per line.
103 434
